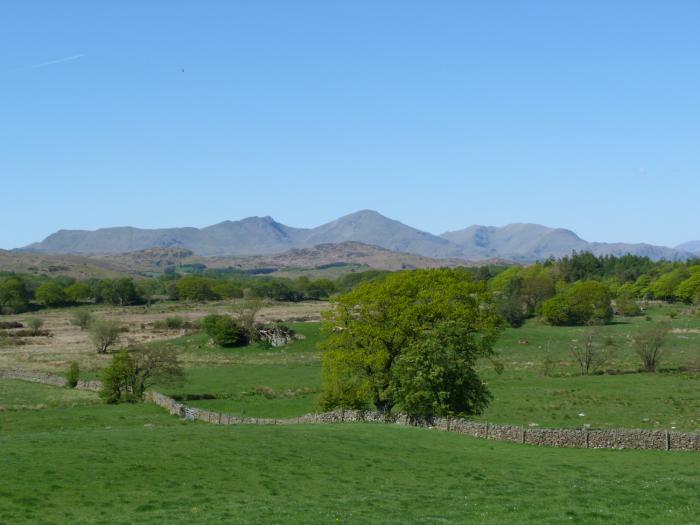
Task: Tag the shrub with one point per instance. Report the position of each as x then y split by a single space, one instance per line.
649 345
73 375
104 334
35 324
81 318
224 330
174 323
591 351
170 323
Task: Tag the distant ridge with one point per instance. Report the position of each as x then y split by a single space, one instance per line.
264 236
690 246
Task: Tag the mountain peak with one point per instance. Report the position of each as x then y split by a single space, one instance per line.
523 242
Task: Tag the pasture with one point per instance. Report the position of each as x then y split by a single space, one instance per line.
134 463
67 458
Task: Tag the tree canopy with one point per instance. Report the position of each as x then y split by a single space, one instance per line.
410 323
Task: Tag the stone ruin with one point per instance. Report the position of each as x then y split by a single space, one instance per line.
278 335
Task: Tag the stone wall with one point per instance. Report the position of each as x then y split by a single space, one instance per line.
48 379
554 437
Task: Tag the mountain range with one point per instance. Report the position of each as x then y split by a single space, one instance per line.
264 236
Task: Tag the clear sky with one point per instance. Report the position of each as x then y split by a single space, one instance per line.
441 114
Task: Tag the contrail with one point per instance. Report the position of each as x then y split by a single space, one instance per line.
43 64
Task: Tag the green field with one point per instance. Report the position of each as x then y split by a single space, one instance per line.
19 395
257 381
136 464
68 459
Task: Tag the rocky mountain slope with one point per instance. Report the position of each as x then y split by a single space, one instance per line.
265 236
690 246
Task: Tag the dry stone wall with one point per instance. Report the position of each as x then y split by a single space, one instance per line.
554 437
48 379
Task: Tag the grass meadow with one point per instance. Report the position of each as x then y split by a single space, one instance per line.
540 384
88 463
67 458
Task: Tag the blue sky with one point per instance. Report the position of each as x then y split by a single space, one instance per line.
440 114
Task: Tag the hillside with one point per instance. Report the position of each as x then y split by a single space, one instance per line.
690 246
156 260
80 267
264 236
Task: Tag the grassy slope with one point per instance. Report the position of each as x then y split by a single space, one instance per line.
130 464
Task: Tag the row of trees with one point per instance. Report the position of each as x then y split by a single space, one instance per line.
584 289
23 292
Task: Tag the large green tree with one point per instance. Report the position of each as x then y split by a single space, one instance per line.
383 332
582 303
14 295
50 294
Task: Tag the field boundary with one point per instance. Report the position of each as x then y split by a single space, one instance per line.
48 378
553 437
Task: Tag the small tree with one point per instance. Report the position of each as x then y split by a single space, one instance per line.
118 379
73 375
35 324
155 363
104 334
590 351
132 371
81 318
649 345
245 313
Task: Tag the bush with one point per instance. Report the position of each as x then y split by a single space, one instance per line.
224 331
81 318
649 345
104 334
73 375
171 323
35 324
